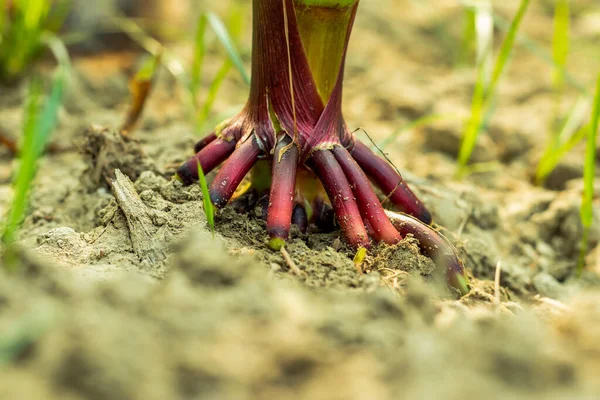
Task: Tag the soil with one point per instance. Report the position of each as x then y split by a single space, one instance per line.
122 292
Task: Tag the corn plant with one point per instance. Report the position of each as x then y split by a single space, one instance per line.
293 118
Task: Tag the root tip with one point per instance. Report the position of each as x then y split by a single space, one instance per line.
218 200
176 177
276 243
426 217
461 283
184 175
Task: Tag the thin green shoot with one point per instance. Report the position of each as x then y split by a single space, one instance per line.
199 52
36 133
469 38
560 51
213 90
359 259
209 208
540 51
560 44
229 44
572 132
483 94
484 30
507 45
228 40
587 209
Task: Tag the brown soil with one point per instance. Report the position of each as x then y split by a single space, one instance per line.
120 302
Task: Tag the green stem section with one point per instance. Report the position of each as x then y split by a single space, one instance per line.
323 26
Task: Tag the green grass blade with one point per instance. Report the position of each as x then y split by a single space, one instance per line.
552 157
539 51
212 93
560 50
209 208
36 134
474 123
484 30
587 210
570 135
49 117
508 45
59 51
468 37
482 96
199 51
3 19
138 35
221 31
27 163
560 42
58 15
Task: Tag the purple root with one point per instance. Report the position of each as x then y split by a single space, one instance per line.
368 203
329 171
233 171
209 158
390 182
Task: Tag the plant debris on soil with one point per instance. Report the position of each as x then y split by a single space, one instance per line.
124 293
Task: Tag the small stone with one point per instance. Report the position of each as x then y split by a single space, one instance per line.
548 286
275 267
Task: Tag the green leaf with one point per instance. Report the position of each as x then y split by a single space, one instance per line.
221 31
36 134
560 41
508 45
590 161
215 85
209 208
27 164
483 94
199 51
563 142
587 210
